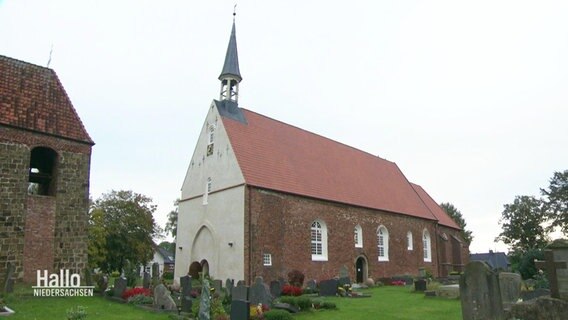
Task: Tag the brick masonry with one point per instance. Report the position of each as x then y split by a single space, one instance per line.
279 224
43 232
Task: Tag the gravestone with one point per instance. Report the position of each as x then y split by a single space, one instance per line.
533 294
312 285
185 293
343 272
88 277
146 280
480 294
328 287
260 293
163 299
155 274
556 266
344 281
240 293
205 303
240 310
103 284
9 279
218 286
241 283
119 286
420 285
510 287
282 282
229 284
275 289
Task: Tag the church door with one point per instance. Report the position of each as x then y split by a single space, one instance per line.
360 266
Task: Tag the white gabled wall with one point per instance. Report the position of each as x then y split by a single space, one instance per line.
205 230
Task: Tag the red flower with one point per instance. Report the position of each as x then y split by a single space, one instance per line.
289 290
136 291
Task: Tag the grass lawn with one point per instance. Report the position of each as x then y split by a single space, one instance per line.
43 308
390 302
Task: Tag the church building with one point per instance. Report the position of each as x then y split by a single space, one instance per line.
45 155
262 197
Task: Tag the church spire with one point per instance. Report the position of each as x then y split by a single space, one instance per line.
231 76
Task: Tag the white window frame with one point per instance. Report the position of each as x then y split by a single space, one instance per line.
318 240
267 259
383 243
358 236
207 190
409 241
427 245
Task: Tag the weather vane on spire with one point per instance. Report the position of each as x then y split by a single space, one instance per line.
234 11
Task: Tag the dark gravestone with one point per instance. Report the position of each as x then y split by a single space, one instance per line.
241 283
480 293
218 286
240 293
282 282
510 287
420 285
146 280
328 287
312 285
9 280
344 281
275 289
185 283
155 274
556 266
260 293
163 299
119 286
533 294
229 284
240 310
103 284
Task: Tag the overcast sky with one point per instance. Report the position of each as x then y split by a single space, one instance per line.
469 98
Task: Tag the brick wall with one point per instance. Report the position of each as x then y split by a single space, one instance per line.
69 205
280 225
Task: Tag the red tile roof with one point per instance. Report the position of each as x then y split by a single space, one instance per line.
437 211
32 98
277 156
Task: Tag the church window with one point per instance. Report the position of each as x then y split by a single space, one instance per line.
409 245
267 259
383 243
358 237
319 241
207 190
42 171
427 246
210 139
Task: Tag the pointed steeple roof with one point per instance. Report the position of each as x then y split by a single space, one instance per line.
231 66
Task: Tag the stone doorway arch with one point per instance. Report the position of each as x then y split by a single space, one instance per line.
361 269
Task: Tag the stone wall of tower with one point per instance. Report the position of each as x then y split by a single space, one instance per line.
43 232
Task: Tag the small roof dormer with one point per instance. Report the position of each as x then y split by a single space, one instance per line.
231 75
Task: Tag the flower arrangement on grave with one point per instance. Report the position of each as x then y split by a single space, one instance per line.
398 283
290 290
257 311
135 292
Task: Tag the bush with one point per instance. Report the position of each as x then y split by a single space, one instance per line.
168 275
296 278
278 315
289 290
289 300
140 299
77 313
304 303
135 292
328 305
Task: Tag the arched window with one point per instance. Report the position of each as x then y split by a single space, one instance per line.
426 243
319 241
42 171
383 243
358 237
409 244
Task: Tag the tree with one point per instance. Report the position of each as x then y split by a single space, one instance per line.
456 215
171 225
522 224
122 229
168 246
556 203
